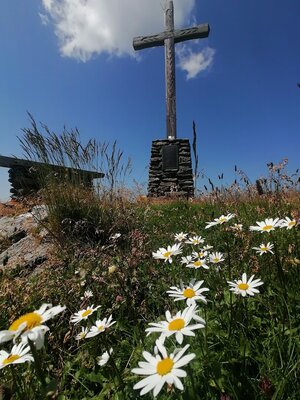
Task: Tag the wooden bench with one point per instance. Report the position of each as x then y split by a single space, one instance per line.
24 174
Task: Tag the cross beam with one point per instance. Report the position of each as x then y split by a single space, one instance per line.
168 38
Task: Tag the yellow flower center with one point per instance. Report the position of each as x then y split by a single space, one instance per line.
292 223
189 293
100 328
176 325
216 260
164 366
243 286
167 254
31 319
267 227
264 249
86 313
10 359
221 220
197 263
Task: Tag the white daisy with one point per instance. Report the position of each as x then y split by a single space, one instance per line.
216 257
86 295
219 221
161 369
31 325
269 224
207 247
191 292
83 314
195 240
199 254
264 248
186 260
100 326
180 236
198 263
167 254
178 324
19 354
244 287
103 359
82 335
287 223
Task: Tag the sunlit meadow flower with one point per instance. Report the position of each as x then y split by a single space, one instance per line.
216 257
198 263
167 254
219 221
87 294
195 240
264 248
207 248
19 354
244 287
186 260
269 224
103 359
191 292
31 326
287 223
199 254
180 236
100 326
177 325
82 335
161 369
83 314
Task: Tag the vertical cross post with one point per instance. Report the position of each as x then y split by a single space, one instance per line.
170 73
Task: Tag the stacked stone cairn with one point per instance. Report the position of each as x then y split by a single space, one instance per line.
176 180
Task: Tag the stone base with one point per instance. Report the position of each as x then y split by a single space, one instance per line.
164 181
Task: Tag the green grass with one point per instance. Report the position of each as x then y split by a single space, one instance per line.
249 348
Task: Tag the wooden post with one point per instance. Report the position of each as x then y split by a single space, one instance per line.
170 73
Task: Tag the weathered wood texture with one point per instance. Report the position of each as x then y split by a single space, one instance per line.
179 35
25 175
170 75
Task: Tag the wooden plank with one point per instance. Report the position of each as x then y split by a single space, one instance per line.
11 162
179 35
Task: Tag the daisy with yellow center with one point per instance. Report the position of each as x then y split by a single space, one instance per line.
198 263
219 221
180 236
245 287
100 326
216 257
162 368
19 354
178 325
168 253
268 225
191 292
31 325
83 314
195 240
82 335
287 223
199 254
264 248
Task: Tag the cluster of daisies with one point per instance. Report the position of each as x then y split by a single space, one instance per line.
30 326
89 331
164 367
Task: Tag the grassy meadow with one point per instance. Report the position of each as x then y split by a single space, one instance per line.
110 275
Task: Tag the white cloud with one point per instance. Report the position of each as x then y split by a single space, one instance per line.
195 62
88 27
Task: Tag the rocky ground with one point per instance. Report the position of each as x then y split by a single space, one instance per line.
24 242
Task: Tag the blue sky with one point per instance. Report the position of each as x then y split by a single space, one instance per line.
71 63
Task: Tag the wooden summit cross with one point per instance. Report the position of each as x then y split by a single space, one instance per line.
168 38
